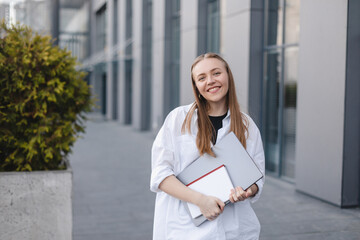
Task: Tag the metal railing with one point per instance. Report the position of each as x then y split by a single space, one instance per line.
76 42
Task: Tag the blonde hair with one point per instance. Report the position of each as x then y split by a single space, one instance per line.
238 122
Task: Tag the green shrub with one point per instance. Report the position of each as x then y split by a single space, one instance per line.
43 99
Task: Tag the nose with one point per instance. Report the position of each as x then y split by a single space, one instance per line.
210 79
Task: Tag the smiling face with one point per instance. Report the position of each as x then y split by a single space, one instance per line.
212 81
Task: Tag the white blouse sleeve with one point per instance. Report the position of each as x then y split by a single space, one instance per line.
257 153
162 157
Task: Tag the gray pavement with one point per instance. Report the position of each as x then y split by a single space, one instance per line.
111 197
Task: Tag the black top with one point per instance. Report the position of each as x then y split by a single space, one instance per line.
217 124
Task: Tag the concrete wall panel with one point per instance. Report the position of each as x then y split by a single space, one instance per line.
36 205
321 90
109 53
188 48
158 63
121 64
235 7
137 68
235 43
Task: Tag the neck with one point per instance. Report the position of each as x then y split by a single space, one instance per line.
217 109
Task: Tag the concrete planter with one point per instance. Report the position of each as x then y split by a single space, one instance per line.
36 205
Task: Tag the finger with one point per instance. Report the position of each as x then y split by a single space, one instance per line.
240 190
221 204
240 193
243 196
212 218
217 211
231 198
249 193
235 197
209 217
252 190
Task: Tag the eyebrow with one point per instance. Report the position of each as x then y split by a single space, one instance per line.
210 71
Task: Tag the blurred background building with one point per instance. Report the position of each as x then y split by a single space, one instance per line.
295 63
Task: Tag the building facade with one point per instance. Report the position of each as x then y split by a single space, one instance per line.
295 64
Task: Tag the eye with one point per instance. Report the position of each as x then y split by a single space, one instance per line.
217 73
202 78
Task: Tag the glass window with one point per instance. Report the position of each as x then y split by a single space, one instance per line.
115 23
146 65
128 30
115 89
175 5
292 20
100 88
289 111
148 35
274 22
271 135
172 53
128 63
75 37
128 91
280 81
175 54
209 26
101 29
213 26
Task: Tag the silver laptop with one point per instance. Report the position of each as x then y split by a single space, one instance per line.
230 152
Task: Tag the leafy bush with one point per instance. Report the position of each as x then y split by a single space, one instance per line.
43 99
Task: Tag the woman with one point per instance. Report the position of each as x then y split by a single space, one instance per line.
190 131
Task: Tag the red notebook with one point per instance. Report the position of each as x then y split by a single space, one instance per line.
215 183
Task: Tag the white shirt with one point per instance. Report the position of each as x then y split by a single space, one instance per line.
172 151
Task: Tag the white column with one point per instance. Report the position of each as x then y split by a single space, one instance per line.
109 53
137 68
158 63
188 47
121 64
235 44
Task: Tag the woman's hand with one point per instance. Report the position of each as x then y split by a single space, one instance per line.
238 194
211 207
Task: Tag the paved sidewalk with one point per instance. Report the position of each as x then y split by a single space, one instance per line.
111 197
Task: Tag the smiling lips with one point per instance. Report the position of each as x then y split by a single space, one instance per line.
213 89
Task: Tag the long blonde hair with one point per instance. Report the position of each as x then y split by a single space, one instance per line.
238 122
